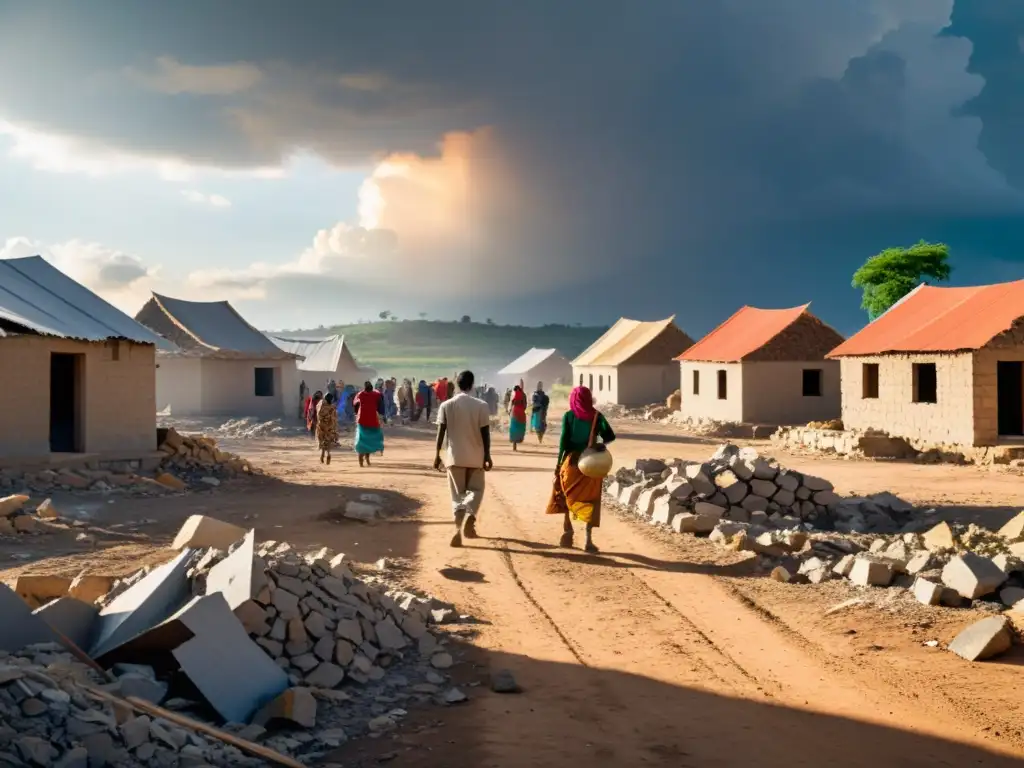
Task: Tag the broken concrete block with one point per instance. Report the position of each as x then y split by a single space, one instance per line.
938 538
983 639
871 573
645 501
74 619
326 675
780 574
826 498
23 523
920 561
844 566
699 476
927 592
765 488
1008 564
972 576
361 510
665 509
200 531
37 589
295 705
90 587
143 605
234 675
47 511
1011 596
1014 529
630 494
685 522
19 626
11 504
754 504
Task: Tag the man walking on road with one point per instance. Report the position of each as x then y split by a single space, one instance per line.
465 422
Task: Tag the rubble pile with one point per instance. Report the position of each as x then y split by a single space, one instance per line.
740 485
321 624
248 427
182 463
803 532
265 640
51 715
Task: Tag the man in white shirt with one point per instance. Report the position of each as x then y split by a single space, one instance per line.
465 421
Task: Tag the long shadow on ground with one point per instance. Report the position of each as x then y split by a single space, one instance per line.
575 715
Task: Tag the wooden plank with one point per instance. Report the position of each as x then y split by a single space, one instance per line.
246 746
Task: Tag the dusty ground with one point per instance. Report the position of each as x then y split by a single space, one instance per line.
662 651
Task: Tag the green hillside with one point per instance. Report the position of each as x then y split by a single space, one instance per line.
428 349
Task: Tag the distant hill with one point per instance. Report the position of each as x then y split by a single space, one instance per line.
429 348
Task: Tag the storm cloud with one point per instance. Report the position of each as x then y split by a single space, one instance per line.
643 157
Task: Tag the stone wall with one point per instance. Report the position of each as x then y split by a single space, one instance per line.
950 421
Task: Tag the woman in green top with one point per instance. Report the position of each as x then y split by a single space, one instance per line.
576 496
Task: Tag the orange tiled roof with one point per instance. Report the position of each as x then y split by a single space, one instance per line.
745 332
933 319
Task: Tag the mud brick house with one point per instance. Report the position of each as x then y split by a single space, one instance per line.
944 366
220 366
77 375
763 366
632 364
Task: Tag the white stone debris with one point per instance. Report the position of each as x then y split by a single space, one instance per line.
804 532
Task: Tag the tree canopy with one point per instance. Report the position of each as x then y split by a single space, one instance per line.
888 276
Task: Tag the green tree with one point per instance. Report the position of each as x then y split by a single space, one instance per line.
888 276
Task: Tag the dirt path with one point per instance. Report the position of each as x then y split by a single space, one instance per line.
642 657
661 651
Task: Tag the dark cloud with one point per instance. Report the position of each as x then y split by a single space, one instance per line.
677 156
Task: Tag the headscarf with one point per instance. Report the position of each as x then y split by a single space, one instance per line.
581 403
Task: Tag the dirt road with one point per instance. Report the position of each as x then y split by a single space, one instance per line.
660 651
657 653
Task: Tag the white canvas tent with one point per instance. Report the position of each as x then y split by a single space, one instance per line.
536 365
222 366
319 361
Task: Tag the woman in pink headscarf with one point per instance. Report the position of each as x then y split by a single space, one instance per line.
576 496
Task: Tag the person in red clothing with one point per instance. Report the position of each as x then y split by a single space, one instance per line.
441 391
369 435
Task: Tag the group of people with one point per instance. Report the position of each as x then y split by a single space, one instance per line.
463 431
516 404
463 422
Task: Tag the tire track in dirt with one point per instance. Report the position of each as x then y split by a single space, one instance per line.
506 558
649 616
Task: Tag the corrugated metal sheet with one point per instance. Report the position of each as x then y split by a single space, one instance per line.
746 331
934 319
208 328
622 341
38 297
318 354
527 362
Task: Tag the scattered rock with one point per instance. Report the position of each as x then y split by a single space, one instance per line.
983 639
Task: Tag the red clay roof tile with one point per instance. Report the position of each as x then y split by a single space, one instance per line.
934 319
745 332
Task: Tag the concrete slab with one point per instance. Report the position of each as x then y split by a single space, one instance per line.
19 627
143 605
73 618
200 531
234 674
239 576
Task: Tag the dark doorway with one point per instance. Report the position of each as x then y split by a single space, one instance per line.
65 403
1010 398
